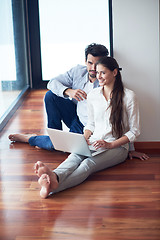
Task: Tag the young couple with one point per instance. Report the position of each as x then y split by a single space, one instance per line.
112 121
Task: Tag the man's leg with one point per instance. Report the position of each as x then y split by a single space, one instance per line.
59 109
43 142
76 126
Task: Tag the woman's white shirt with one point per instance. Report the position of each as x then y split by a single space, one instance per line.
99 115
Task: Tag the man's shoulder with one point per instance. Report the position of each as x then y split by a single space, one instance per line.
80 69
79 66
78 73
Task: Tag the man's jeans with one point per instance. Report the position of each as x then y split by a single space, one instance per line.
58 109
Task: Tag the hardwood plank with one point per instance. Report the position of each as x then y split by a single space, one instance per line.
120 203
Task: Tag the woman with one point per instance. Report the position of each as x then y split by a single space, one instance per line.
113 122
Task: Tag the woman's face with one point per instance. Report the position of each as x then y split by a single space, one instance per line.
105 76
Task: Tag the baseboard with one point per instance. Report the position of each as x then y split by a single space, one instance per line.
147 146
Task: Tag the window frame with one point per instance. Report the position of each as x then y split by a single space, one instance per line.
32 28
35 45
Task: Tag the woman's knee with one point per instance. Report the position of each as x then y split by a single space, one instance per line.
89 165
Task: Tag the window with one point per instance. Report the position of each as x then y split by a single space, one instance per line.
43 38
66 28
13 54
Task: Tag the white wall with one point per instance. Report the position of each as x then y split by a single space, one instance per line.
136 48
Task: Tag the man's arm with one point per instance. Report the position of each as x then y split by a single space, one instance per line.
77 94
69 80
59 84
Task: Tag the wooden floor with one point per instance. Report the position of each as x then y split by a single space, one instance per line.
120 203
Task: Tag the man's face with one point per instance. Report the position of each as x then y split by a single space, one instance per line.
91 66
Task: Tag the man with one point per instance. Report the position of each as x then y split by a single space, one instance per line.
66 100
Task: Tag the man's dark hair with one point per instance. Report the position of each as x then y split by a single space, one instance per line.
96 50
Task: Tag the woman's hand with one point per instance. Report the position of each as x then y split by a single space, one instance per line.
141 156
114 144
102 144
87 134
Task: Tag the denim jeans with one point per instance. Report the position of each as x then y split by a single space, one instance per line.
58 109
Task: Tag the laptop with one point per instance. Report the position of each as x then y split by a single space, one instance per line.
71 143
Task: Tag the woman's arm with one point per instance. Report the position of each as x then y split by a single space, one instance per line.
132 109
90 112
115 144
87 134
140 155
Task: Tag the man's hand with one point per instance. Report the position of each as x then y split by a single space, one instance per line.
141 156
77 94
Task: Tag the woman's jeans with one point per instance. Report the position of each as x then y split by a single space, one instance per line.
75 169
58 109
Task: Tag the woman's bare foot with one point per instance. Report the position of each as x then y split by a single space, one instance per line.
44 182
20 137
48 184
40 168
47 179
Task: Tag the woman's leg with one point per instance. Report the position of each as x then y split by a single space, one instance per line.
63 170
49 180
75 169
87 166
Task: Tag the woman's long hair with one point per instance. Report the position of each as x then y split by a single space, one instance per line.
116 117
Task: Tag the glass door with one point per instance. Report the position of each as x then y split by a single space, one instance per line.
13 54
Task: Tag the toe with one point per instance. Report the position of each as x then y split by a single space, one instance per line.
10 137
40 164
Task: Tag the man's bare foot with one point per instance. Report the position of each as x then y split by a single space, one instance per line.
40 168
20 137
48 184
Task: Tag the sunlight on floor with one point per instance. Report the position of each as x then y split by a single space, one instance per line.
6 100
